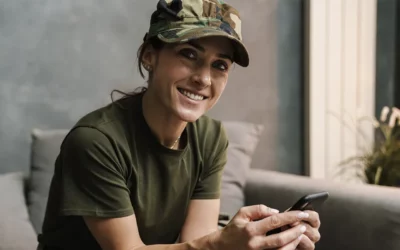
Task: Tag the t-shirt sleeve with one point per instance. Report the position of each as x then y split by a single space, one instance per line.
209 183
93 182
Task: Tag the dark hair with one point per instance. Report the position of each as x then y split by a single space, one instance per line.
157 44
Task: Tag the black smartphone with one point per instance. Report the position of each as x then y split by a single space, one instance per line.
307 202
310 202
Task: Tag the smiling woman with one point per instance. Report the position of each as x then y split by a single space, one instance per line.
145 171
187 79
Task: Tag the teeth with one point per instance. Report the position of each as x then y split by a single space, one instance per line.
192 96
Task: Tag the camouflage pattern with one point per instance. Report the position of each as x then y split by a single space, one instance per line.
182 20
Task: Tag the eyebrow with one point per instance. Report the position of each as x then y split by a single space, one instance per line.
199 47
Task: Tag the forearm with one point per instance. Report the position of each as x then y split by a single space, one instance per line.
207 242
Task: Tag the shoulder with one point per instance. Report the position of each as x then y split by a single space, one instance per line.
113 113
209 129
83 140
113 121
210 136
105 129
89 149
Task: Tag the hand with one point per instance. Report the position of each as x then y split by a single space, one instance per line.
247 230
312 235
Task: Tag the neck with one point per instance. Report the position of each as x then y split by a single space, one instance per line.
166 127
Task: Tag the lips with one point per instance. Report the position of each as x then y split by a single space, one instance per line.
191 95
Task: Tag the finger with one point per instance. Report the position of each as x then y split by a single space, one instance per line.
280 220
281 239
313 219
312 233
295 224
306 244
255 212
292 245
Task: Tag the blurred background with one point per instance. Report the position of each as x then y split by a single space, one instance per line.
61 59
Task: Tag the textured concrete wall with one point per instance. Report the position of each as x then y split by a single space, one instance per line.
59 60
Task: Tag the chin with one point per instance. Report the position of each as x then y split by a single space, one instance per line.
189 110
189 115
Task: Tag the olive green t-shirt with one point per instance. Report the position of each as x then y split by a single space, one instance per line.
111 165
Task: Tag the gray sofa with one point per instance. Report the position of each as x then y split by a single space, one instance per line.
354 217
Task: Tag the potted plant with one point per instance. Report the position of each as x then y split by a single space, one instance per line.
380 164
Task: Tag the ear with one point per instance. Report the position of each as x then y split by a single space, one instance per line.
149 56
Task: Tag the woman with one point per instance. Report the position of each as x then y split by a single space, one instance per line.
145 171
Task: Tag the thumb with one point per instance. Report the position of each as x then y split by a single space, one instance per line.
255 212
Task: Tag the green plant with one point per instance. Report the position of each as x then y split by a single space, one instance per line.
380 164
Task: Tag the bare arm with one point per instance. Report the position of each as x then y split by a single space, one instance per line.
245 231
201 220
123 234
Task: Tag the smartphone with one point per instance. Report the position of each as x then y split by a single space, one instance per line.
310 202
307 202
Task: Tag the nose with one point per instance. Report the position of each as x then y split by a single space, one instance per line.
202 77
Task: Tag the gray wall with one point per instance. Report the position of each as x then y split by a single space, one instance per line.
61 59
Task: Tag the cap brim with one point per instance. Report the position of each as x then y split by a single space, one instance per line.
241 56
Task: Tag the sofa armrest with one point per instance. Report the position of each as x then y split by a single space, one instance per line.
356 216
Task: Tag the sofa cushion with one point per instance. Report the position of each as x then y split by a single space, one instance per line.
44 151
16 231
243 139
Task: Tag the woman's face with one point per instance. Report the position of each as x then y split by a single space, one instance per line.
188 79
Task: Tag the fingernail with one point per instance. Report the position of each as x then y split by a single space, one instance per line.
300 237
303 215
303 229
275 211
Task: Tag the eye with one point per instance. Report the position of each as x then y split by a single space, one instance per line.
221 65
188 53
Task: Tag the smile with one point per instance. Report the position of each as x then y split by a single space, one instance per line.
192 95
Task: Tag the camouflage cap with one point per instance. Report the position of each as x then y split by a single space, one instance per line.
177 21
